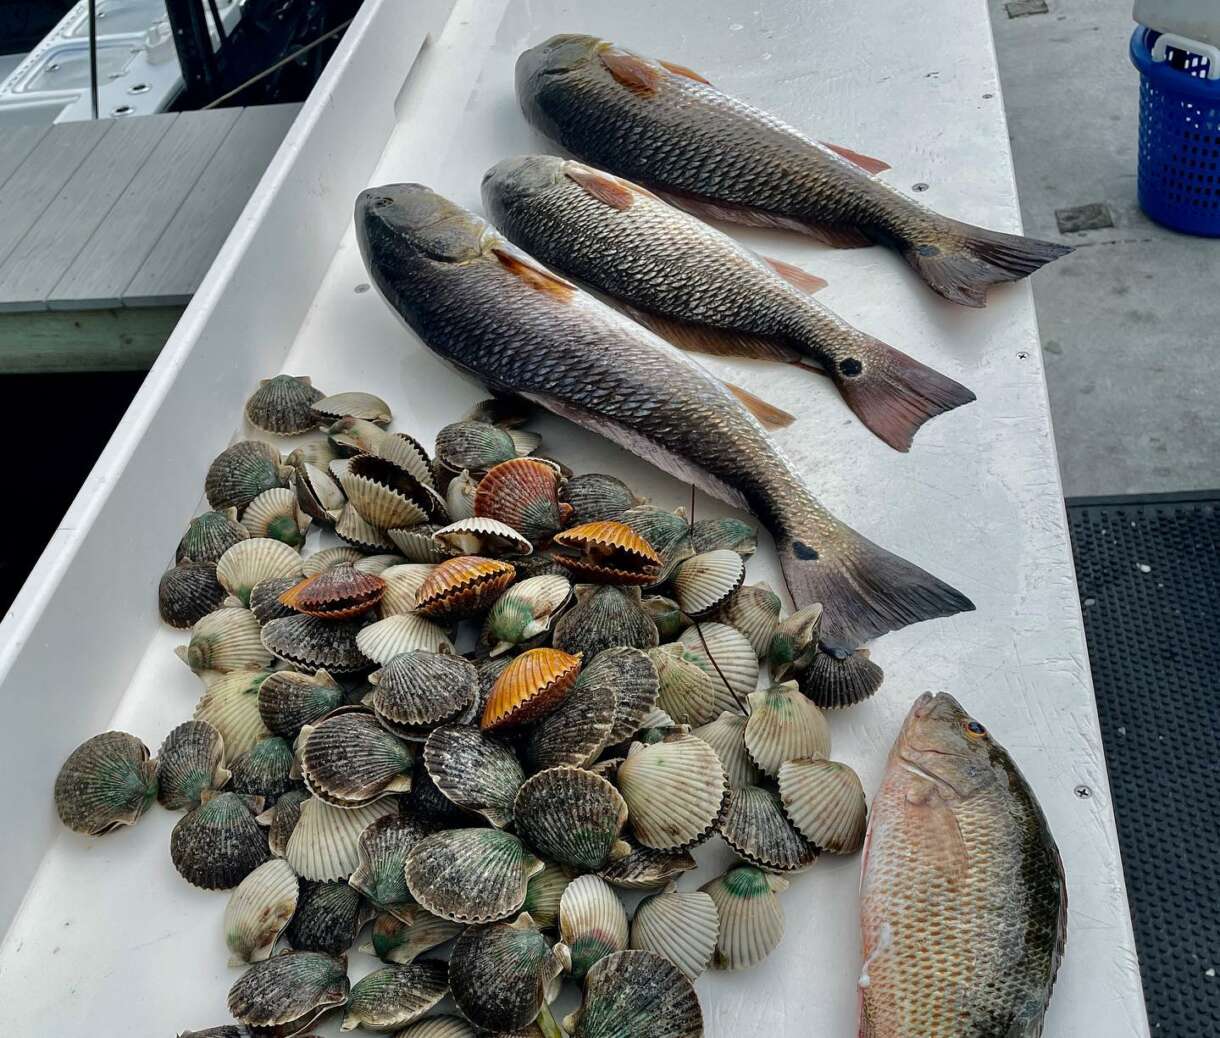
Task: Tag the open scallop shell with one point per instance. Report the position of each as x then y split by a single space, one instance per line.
727 656
253 560
317 451
349 760
629 673
523 494
479 535
190 762
386 496
825 801
795 643
682 926
755 826
394 996
607 553
417 545
634 993
287 993
276 515
364 406
383 848
318 493
605 617
705 582
339 593
230 705
685 690
416 691
592 923
219 843
646 869
263 770
387 638
472 445
840 677
288 700
265 601
674 791
325 843
259 910
106 782
571 817
544 893
352 436
751 919
524 612
754 610
475 771
188 592
312 644
596 497
532 685
239 473
727 736
209 536
327 919
402 584
225 640
470 875
352 527
408 454
406 935
579 728
783 724
463 587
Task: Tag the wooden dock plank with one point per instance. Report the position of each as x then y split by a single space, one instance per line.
18 144
118 339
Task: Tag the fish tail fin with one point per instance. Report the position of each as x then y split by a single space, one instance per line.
891 393
864 589
959 260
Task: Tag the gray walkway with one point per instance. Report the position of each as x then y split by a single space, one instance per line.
1130 322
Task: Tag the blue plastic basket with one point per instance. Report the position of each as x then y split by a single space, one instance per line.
1179 163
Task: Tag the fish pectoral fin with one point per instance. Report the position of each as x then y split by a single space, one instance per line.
867 163
715 342
931 825
605 188
794 275
633 71
534 274
838 237
682 70
769 414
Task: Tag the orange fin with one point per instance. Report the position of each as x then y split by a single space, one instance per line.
838 237
631 70
771 416
793 274
533 275
867 163
682 70
699 338
931 825
601 186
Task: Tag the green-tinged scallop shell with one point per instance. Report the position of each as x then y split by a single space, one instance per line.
417 545
634 993
523 494
188 592
439 1027
281 819
386 496
225 640
754 610
727 656
283 405
275 514
288 700
470 875
219 843
544 893
230 705
259 910
327 918
681 925
839 677
705 582
476 446
312 644
579 728
571 816
349 760
657 526
751 919
264 769
317 451
380 642
605 617
325 842
795 643
459 501
524 612
317 493
633 678
383 849
390 998
329 558
190 762
674 791
415 691
501 975
253 560
825 801
285 994
783 725
352 527
243 471
402 584
106 782
479 535
364 406
474 770
667 615
596 497
646 869
209 536
727 736
407 933
265 601
685 691
351 436
592 923
755 826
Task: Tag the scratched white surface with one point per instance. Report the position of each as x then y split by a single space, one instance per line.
109 939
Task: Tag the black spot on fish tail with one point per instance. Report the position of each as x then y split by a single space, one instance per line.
850 367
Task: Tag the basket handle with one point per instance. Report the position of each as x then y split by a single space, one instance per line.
1169 39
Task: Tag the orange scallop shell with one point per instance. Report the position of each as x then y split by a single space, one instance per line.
607 552
534 684
524 493
463 586
335 594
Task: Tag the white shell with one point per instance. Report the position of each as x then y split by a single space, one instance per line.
276 503
681 925
784 725
674 790
329 558
685 691
825 801
403 632
753 610
459 497
704 582
538 598
325 845
733 655
258 911
408 455
402 583
378 564
354 405
439 1027
379 505
230 705
727 736
592 922
225 640
254 560
357 531
469 535
751 919
416 543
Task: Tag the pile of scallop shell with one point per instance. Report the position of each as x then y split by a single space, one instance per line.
346 764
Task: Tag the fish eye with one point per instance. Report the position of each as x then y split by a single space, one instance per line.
974 728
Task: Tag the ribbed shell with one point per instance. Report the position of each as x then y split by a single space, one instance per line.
754 611
275 514
209 536
470 875
705 582
225 640
265 601
191 760
288 700
418 690
674 791
607 553
431 807
218 844
480 535
349 760
312 644
327 918
283 405
570 816
838 678
668 617
605 618
364 406
383 848
439 1027
463 587
524 612
727 736
230 705
239 473
106 782
795 643
404 936
287 989
188 592
325 843
395 996
316 451
523 493
633 679
328 558
657 526
592 923
259 910
733 656
724 532
386 496
264 769
646 869
634 993
352 436
755 826
578 729
318 493
459 502
544 893
339 593
352 527
402 584
473 445
783 725
253 560
596 497
825 801
282 819
475 771
751 919
532 685
380 642
685 690
681 925
417 545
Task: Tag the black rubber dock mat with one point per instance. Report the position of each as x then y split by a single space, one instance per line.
1149 573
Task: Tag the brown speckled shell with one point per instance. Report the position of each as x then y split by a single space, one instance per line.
501 975
327 918
417 690
349 760
289 989
523 493
338 593
755 826
640 986
313 644
218 844
532 685
188 592
570 816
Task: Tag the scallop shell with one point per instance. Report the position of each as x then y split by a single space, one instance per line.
287 993
338 593
316 451
385 639
188 592
390 998
502 975
657 526
754 611
329 558
282 405
462 587
225 640
239 473
479 535
724 532
685 690
383 848
727 736
386 496
751 919
607 553
349 760
352 436
402 584
669 619
352 527
674 791
287 700
318 493
327 919
275 514
783 724
544 893
727 656
682 926
408 454
459 500
265 601
264 769
579 728
646 869
416 691
282 819
414 930
795 643
470 875
190 762
417 545
541 564
592 923
839 677
106 782
209 536
755 826
634 993
633 679
475 771
596 497
505 411
325 843
313 644
825 801
230 705
571 817
523 494
376 565
259 910
365 406
532 685
253 560
218 844
705 582
476 446
524 612
439 1027
605 617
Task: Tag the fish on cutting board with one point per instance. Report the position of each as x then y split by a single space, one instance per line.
494 312
666 127
963 898
703 291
